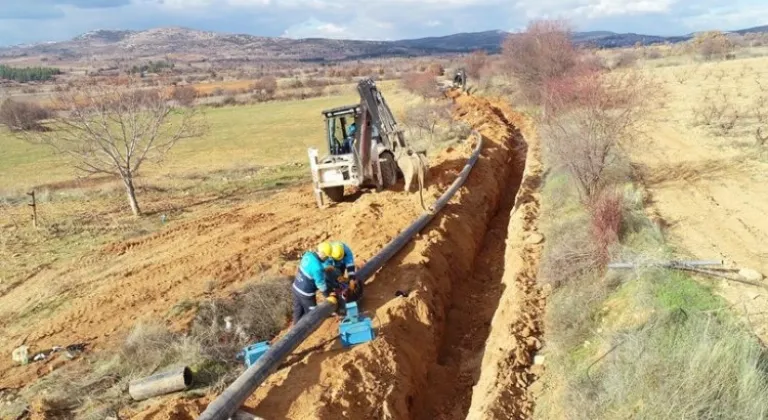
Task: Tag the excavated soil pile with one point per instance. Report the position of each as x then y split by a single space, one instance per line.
507 373
429 349
422 339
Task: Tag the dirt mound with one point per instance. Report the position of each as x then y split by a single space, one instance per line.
393 376
507 374
97 299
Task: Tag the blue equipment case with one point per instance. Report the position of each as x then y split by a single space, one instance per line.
354 329
253 352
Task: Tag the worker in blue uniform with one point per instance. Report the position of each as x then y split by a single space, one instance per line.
311 277
341 271
349 139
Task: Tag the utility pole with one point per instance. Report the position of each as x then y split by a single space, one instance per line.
34 209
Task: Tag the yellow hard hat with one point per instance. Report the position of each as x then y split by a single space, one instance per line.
337 251
325 249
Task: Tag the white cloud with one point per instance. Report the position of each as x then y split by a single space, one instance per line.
371 19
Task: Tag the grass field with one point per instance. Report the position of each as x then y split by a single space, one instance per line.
268 133
249 150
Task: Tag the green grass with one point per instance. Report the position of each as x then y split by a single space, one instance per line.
675 290
644 344
269 133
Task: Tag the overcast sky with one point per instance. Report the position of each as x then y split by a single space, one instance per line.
24 21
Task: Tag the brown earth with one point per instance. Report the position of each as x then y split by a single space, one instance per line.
429 345
712 200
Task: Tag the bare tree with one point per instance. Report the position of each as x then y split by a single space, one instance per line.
427 117
115 130
475 63
423 84
543 52
594 117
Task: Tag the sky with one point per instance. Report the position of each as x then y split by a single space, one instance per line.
30 21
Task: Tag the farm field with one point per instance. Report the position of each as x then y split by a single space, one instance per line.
705 181
239 136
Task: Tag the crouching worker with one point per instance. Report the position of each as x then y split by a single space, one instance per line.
340 272
310 277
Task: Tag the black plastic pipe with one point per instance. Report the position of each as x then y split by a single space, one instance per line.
389 251
223 407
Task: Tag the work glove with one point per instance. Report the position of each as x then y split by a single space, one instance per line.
352 285
329 268
332 298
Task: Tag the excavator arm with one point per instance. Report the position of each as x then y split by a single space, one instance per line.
381 115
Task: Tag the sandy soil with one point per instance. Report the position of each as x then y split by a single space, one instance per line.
430 347
714 205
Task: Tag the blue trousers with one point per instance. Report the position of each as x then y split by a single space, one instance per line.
302 305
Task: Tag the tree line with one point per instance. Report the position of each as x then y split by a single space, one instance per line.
28 74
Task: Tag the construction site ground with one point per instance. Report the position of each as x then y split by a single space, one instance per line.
461 344
430 347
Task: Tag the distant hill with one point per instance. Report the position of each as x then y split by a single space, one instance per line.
756 29
193 45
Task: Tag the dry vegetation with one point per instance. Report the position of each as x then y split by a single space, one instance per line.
651 344
96 387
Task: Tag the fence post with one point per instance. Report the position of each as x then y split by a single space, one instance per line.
34 209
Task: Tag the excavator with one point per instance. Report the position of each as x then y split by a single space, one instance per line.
363 141
366 148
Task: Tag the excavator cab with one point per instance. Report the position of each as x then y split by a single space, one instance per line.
337 124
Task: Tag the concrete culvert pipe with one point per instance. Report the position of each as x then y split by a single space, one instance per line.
160 384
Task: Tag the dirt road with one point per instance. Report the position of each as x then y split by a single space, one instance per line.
713 201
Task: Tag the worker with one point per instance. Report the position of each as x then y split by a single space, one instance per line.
341 272
311 277
347 145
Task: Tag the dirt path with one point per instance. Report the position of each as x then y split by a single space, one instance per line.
713 201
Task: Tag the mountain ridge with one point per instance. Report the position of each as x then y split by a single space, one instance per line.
192 44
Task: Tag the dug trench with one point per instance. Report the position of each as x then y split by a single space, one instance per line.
430 344
429 357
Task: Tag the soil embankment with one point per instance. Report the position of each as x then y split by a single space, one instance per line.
470 279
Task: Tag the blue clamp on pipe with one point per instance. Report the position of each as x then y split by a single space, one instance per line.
354 329
253 352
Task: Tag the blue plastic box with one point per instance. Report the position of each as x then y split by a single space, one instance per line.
353 329
255 351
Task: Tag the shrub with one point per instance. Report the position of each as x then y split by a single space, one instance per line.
713 44
422 84
22 116
543 52
590 118
625 59
229 101
265 88
436 69
476 63
606 211
258 313
184 95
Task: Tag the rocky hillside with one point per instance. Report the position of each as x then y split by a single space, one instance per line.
183 43
192 44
